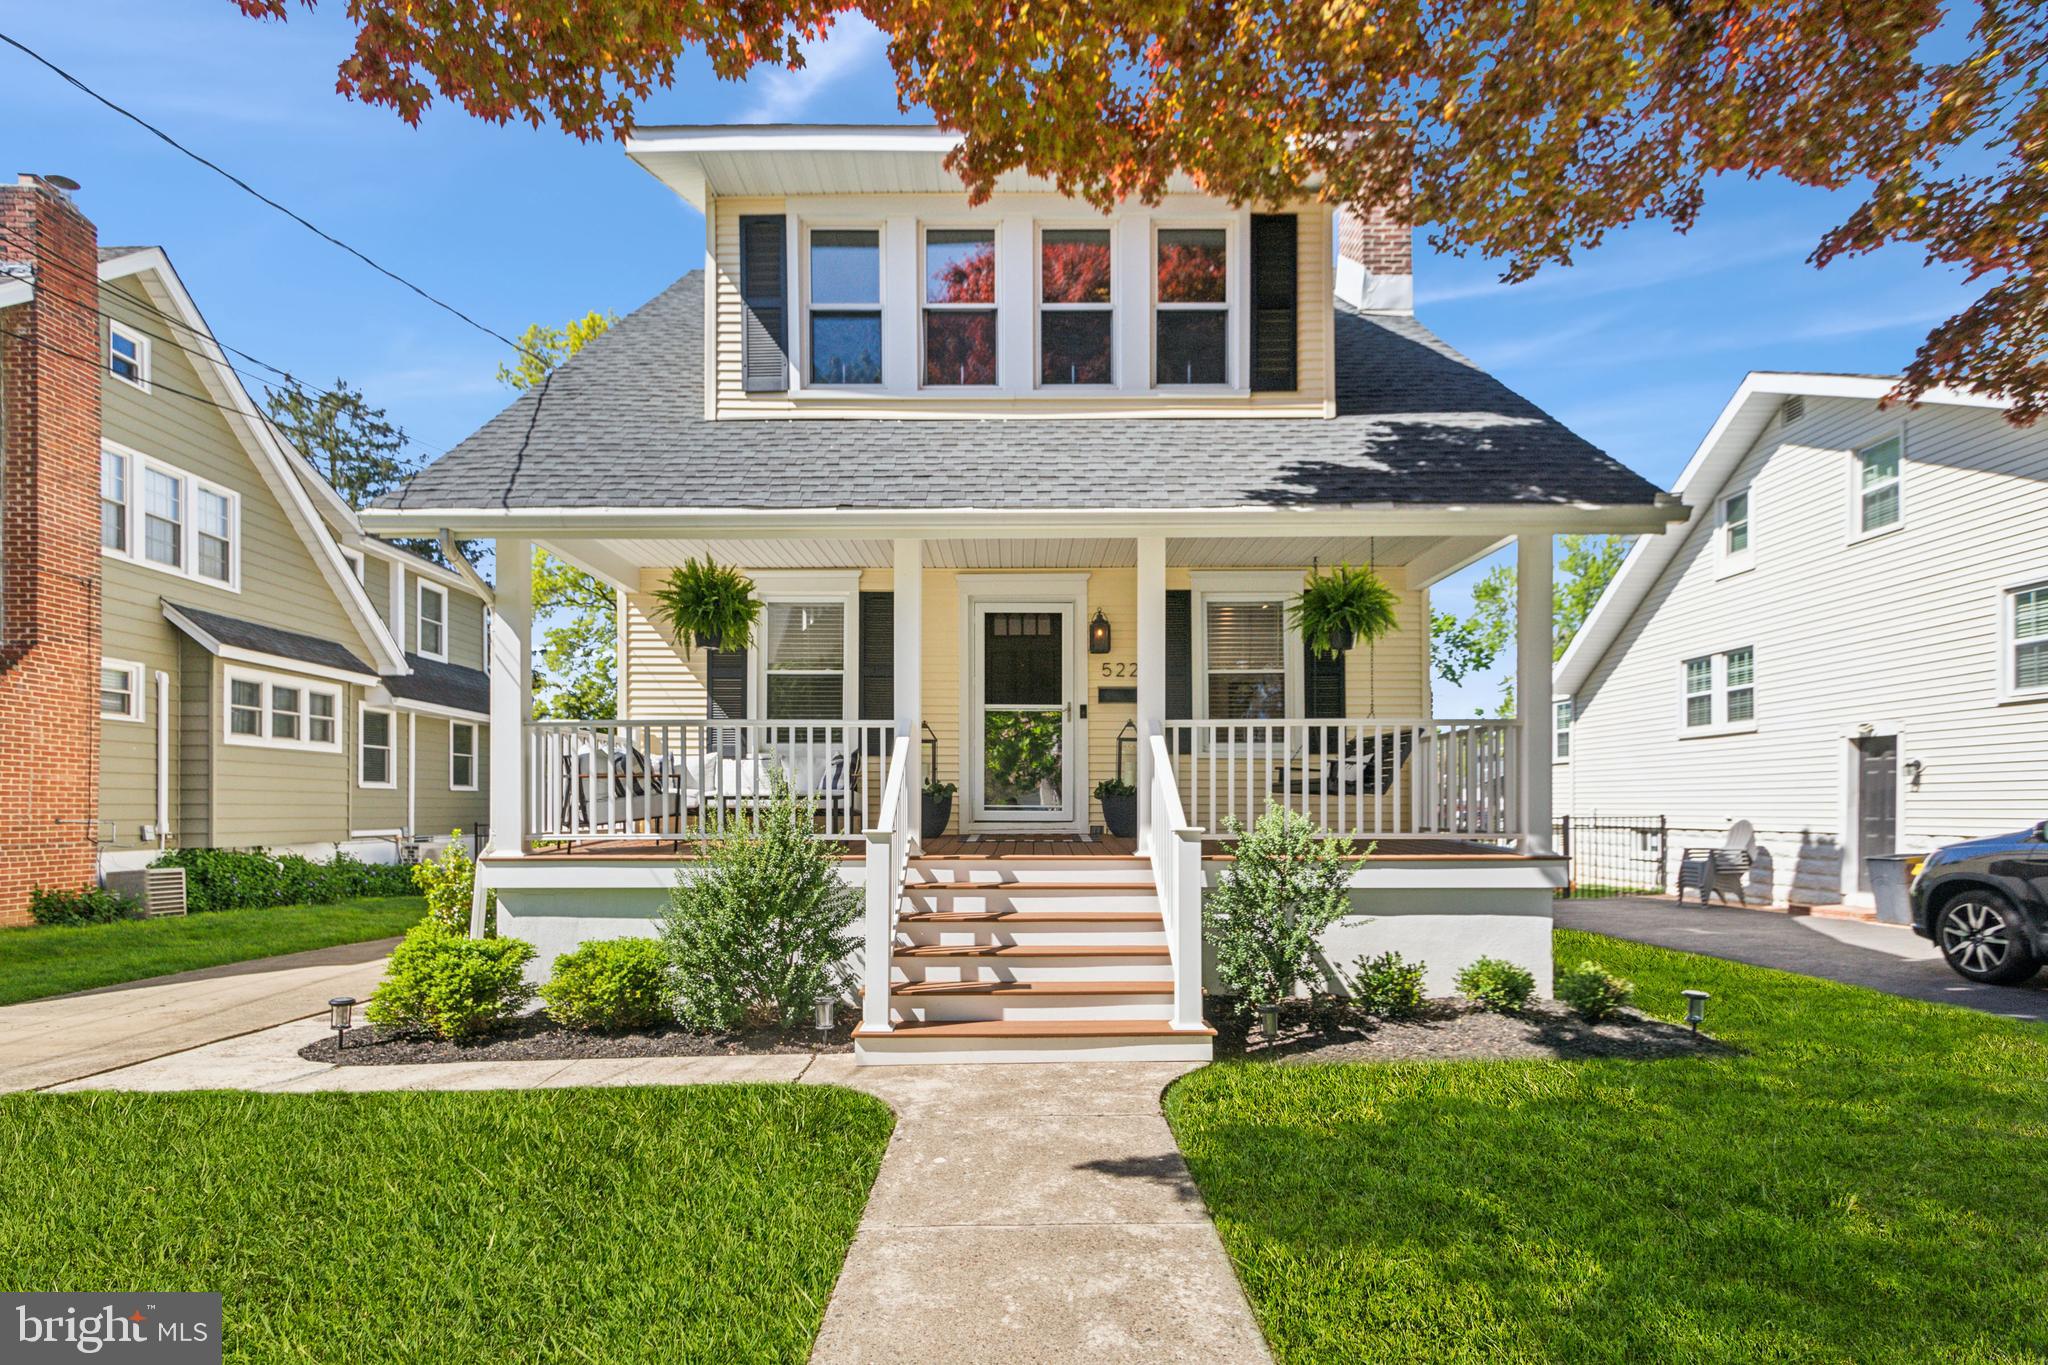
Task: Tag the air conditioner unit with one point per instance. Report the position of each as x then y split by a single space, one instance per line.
159 890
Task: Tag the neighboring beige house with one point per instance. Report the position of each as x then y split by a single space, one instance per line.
268 675
1847 647
1026 491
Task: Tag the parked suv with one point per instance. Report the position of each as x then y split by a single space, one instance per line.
1985 905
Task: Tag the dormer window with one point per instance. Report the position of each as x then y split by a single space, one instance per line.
959 307
845 283
1076 318
1192 318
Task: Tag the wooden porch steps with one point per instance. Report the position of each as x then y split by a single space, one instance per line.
999 917
917 888
1031 988
940 951
1047 1028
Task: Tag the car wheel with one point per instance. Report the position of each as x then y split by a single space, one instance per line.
1985 939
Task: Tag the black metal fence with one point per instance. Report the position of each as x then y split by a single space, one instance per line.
1614 855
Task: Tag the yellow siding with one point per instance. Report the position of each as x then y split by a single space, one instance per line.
1390 679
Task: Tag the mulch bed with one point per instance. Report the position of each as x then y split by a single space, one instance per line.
1453 1030
536 1038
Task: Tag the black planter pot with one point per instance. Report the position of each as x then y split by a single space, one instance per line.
1342 638
1120 814
708 641
934 813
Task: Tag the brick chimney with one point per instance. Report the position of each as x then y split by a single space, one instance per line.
1375 258
49 544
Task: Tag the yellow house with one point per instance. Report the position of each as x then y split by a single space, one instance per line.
1025 492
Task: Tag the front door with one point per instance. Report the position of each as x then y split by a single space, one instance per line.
1022 736
1877 801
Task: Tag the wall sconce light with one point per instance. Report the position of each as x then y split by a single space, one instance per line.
1914 767
1696 1009
341 1017
1098 634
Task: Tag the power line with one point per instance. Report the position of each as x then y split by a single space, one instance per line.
247 188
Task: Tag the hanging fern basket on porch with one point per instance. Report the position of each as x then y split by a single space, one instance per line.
708 604
1342 608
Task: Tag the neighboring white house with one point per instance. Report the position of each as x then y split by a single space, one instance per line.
1026 490
1848 646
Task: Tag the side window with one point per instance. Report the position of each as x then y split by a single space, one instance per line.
1878 476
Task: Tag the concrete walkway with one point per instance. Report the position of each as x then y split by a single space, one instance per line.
1884 957
69 1037
1035 1213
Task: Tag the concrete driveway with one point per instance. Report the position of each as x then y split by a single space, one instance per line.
70 1037
1883 957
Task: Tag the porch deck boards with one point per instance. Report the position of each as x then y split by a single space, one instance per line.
956 848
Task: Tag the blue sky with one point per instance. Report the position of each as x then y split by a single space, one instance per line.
1636 346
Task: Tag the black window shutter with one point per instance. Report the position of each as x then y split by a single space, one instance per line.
878 662
1322 693
1180 657
725 682
764 298
1274 261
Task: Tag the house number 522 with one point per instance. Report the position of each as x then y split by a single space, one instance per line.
1110 670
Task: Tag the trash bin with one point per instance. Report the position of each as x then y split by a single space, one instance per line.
1890 875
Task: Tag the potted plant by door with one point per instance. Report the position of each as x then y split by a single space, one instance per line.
1341 608
708 604
1119 806
935 811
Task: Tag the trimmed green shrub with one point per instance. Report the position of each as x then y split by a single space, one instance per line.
1497 984
448 882
459 988
1594 992
238 879
761 924
1266 917
90 906
608 986
1389 986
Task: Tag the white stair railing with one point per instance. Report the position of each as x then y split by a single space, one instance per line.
1176 853
888 862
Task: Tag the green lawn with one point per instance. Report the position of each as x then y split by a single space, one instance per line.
1861 1182
608 1226
50 960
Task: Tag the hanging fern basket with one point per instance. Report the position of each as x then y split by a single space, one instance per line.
1340 609
708 605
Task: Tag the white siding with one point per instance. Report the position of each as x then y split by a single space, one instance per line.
1899 632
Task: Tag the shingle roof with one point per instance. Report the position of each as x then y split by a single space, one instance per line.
439 684
622 424
285 644
111 253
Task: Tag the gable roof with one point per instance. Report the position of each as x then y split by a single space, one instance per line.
232 637
451 686
1741 423
275 461
622 425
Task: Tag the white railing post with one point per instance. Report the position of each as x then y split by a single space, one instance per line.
888 847
1176 853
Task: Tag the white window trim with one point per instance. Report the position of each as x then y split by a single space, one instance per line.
2009 692
263 739
474 756
1560 738
925 306
138 703
1732 562
188 548
420 620
142 357
1282 587
356 563
1856 532
127 503
1039 307
1717 694
800 340
390 748
843 588
1236 323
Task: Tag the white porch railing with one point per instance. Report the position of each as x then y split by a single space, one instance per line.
1176 851
680 778
1363 778
888 862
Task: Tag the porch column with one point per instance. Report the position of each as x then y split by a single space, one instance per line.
511 693
909 671
1533 633
1151 670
